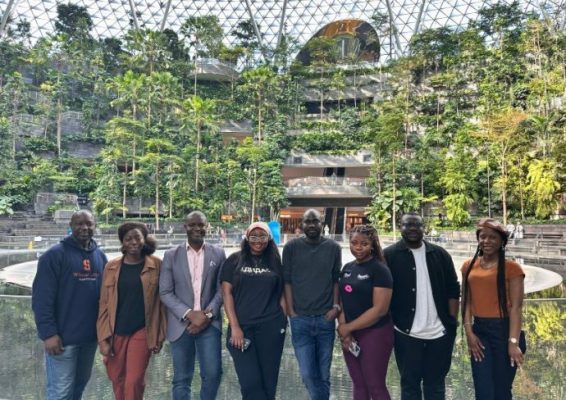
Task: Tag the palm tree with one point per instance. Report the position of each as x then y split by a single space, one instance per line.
264 84
128 88
503 130
159 154
198 114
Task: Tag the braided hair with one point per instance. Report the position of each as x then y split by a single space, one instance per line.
371 233
501 286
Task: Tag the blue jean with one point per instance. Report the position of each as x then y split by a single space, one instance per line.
69 372
206 347
494 375
313 340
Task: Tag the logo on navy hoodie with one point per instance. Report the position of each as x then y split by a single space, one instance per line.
85 274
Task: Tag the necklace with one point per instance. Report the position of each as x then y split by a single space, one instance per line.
487 265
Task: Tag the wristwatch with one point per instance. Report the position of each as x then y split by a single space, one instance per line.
513 340
337 307
209 314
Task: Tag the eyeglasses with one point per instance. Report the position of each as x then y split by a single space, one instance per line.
258 239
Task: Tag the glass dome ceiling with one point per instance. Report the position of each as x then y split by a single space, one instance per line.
300 19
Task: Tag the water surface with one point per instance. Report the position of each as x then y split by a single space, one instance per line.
22 376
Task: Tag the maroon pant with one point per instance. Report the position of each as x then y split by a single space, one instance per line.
369 369
126 367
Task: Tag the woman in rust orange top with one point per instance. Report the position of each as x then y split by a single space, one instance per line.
492 301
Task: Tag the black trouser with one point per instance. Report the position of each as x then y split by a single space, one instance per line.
423 360
258 366
494 375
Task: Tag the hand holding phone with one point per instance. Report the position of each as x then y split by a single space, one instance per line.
247 343
354 348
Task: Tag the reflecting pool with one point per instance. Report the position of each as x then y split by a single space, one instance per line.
536 278
542 378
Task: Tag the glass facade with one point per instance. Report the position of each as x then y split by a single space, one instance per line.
300 19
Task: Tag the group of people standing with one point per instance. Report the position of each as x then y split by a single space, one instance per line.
404 299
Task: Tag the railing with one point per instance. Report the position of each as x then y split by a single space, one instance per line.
236 127
215 61
326 181
328 186
361 158
216 68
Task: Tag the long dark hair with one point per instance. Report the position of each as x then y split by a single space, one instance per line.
371 233
270 258
150 243
501 286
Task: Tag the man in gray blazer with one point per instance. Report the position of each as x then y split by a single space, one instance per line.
190 289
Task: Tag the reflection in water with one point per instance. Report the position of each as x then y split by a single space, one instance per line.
21 367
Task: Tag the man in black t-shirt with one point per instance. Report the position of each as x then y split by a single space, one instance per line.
311 267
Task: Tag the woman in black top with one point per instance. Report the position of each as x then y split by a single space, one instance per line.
131 319
365 327
252 287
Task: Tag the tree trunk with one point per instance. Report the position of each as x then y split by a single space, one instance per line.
229 193
259 117
124 190
321 94
14 140
521 194
437 114
197 158
134 114
195 83
422 195
157 198
394 205
504 189
59 118
355 90
170 195
254 184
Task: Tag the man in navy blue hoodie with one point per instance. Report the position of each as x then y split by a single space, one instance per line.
65 296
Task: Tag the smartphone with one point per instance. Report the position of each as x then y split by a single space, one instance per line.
354 348
247 343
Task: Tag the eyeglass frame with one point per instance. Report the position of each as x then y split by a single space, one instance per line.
258 239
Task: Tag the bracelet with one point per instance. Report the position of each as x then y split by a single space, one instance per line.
467 323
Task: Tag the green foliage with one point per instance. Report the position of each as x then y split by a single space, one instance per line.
39 145
204 34
327 141
470 118
72 20
385 204
6 205
545 322
543 186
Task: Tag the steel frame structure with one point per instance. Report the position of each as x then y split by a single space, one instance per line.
271 19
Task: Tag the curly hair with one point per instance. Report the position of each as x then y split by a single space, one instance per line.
150 243
371 233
